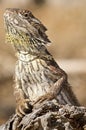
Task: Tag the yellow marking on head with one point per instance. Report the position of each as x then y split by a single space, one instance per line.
21 39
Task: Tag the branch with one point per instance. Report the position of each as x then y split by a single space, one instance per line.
49 116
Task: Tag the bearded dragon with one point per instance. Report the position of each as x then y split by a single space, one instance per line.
37 75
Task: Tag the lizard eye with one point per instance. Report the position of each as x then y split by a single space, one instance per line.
26 15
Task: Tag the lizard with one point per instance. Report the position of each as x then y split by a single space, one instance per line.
37 75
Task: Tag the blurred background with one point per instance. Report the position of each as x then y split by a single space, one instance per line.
66 24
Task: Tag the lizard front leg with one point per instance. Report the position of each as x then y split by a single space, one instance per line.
23 104
60 90
54 91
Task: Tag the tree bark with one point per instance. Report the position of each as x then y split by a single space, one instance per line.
49 115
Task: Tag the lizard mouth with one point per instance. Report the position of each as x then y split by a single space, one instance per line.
7 15
8 20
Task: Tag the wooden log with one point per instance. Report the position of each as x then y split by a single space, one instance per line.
49 116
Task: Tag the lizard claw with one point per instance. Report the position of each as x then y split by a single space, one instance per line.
24 107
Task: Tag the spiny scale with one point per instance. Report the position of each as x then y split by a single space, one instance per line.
37 75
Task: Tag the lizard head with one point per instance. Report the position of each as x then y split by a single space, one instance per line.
23 29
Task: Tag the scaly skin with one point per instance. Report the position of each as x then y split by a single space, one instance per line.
38 77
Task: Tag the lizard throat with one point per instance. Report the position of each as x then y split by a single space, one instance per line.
26 57
24 43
